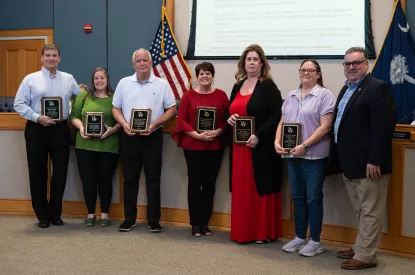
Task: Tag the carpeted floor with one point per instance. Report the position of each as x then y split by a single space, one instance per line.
75 249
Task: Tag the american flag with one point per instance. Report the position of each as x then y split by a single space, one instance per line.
172 67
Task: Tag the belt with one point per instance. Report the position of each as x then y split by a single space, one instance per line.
61 121
57 122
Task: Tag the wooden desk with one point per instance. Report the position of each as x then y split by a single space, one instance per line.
11 121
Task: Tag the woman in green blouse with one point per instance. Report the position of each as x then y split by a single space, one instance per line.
97 156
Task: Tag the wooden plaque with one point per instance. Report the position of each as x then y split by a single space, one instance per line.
94 124
290 135
52 107
243 129
140 119
206 118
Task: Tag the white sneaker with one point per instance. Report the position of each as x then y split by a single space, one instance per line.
294 245
311 249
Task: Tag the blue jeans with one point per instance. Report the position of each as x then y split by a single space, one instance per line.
306 182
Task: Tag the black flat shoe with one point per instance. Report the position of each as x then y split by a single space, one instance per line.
196 231
206 231
263 241
43 224
57 222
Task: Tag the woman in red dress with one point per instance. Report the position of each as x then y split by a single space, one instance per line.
256 169
203 150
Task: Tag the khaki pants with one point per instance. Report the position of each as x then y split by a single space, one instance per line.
369 200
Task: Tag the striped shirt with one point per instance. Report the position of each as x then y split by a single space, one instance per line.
42 84
351 88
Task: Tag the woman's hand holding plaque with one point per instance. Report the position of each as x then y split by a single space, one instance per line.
243 129
290 135
206 118
94 124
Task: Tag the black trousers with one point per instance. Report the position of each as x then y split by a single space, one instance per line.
136 152
41 141
202 170
96 170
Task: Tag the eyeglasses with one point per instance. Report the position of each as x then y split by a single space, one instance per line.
355 63
310 71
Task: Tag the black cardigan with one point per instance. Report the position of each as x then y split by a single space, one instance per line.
265 105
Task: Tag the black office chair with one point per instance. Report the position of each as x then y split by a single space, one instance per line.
6 104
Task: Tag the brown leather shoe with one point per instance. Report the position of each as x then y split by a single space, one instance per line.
346 254
354 264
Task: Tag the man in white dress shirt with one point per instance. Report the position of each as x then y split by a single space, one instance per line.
45 135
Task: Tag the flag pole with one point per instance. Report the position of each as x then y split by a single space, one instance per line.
166 17
163 12
403 3
386 34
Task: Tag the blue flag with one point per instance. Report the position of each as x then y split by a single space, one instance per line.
396 65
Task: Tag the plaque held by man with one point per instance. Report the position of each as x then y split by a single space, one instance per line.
206 118
290 135
140 120
52 107
94 124
243 129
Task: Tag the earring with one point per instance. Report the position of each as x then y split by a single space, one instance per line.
213 82
197 83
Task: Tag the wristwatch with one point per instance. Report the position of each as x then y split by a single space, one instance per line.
305 146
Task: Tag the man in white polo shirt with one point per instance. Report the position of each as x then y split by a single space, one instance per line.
142 90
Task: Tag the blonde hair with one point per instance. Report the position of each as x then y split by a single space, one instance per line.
265 70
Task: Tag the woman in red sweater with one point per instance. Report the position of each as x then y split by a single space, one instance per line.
203 149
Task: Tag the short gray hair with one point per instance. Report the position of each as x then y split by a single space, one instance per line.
143 50
358 50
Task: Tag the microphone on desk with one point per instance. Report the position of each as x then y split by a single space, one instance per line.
411 113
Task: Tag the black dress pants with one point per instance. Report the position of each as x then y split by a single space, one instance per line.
136 152
96 170
202 170
41 141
